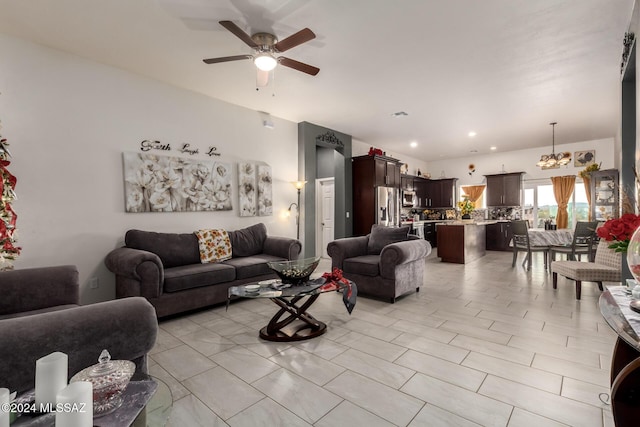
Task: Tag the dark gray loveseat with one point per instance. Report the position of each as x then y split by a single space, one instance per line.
165 268
386 263
39 314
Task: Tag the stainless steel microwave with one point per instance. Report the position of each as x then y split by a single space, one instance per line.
409 199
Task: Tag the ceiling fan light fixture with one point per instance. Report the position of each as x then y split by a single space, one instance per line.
265 61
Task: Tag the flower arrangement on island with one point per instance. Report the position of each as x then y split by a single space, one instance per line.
466 206
619 231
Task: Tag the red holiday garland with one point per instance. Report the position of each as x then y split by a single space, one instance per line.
8 217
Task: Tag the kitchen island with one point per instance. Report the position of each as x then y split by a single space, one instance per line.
462 241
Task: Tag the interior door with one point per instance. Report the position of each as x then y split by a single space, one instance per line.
327 203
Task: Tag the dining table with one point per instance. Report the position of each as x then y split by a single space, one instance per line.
542 237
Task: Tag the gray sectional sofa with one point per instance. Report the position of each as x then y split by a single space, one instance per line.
165 268
40 314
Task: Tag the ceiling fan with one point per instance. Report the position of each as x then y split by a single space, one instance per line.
266 46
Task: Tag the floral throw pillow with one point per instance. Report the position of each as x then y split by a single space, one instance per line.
214 245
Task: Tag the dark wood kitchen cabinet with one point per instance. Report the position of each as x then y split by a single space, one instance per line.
386 170
369 173
421 188
504 189
436 193
431 233
498 236
406 182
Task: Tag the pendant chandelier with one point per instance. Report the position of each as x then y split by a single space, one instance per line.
553 159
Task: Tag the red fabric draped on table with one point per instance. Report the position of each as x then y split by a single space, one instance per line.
562 190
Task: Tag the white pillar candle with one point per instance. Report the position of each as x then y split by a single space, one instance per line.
74 405
4 407
51 377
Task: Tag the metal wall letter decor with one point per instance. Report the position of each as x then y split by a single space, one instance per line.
329 138
627 43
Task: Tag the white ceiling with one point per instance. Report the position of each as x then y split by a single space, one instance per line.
502 68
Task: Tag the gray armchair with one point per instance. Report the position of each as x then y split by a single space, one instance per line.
385 264
39 314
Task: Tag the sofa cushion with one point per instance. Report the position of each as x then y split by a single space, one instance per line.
382 236
366 265
252 266
214 245
248 241
172 248
197 275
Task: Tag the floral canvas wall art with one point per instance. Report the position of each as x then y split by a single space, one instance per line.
265 198
173 184
247 190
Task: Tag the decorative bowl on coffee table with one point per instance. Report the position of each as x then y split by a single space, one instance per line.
294 272
109 379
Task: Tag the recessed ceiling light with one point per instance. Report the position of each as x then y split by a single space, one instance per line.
494 148
399 114
413 144
472 134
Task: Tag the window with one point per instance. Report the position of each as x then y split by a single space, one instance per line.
540 204
479 204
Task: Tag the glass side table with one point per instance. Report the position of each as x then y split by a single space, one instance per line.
157 411
147 401
625 363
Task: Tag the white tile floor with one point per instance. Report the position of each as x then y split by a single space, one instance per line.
480 344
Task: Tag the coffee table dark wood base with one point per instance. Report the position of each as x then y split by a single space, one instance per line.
277 329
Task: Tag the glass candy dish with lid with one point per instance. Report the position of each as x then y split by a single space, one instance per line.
109 379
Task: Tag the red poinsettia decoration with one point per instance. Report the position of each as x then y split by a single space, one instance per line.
619 231
8 250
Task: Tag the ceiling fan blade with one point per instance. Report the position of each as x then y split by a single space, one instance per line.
226 59
294 40
300 66
262 78
239 33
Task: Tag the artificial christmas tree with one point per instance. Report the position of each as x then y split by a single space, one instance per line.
8 250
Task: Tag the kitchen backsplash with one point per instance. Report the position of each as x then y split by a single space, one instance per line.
505 213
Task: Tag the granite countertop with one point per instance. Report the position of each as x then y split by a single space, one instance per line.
468 222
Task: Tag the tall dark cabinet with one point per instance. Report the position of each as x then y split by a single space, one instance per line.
605 197
504 189
369 173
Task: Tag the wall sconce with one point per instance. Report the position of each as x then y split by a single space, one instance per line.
299 185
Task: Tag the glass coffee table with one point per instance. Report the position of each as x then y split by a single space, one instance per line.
147 402
292 322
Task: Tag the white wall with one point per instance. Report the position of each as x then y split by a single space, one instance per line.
69 120
360 148
521 161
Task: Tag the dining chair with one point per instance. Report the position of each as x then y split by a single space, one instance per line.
521 243
605 268
580 245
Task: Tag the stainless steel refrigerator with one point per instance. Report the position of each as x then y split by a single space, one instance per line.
388 206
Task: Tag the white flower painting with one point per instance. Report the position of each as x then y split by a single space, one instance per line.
247 190
265 199
172 184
